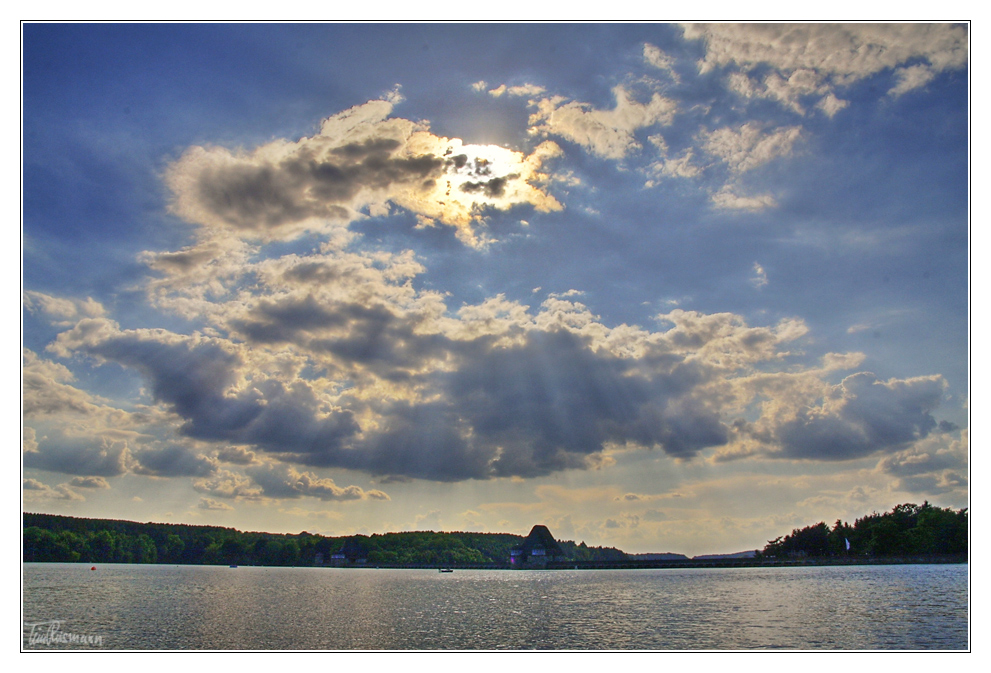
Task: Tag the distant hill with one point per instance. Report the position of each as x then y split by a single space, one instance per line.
663 556
740 554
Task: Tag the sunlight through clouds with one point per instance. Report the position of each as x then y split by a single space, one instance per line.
710 278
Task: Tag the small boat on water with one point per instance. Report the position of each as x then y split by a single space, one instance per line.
445 570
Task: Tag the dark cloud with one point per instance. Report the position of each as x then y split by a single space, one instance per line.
458 161
372 336
532 409
173 461
493 188
912 463
293 425
194 379
191 377
370 147
382 341
281 322
555 393
869 416
426 441
937 465
547 404
85 456
934 484
314 272
267 195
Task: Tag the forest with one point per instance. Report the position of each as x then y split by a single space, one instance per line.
49 537
907 530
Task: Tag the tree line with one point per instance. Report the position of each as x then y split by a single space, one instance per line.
907 530
49 537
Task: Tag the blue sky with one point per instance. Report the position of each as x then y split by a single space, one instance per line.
661 287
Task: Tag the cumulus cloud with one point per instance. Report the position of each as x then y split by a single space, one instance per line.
810 61
361 161
173 460
496 391
934 465
861 416
212 505
84 454
228 484
46 392
336 358
237 455
62 310
284 481
36 490
89 482
749 146
605 133
196 378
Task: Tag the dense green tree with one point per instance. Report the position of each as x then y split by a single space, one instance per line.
907 530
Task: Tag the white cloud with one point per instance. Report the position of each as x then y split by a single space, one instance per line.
846 51
606 133
726 198
284 481
831 105
89 482
212 505
683 166
228 484
759 278
748 146
655 57
34 490
812 60
63 309
911 78
518 90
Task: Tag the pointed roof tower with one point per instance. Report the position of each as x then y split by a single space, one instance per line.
540 536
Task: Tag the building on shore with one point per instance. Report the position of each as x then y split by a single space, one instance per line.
352 552
536 551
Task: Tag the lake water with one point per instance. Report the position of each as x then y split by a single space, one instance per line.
147 607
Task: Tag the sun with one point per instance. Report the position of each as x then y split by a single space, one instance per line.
477 179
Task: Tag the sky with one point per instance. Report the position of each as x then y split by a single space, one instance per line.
659 287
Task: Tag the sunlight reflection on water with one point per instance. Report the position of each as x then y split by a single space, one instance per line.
251 608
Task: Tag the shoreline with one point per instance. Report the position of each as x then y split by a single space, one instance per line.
599 565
